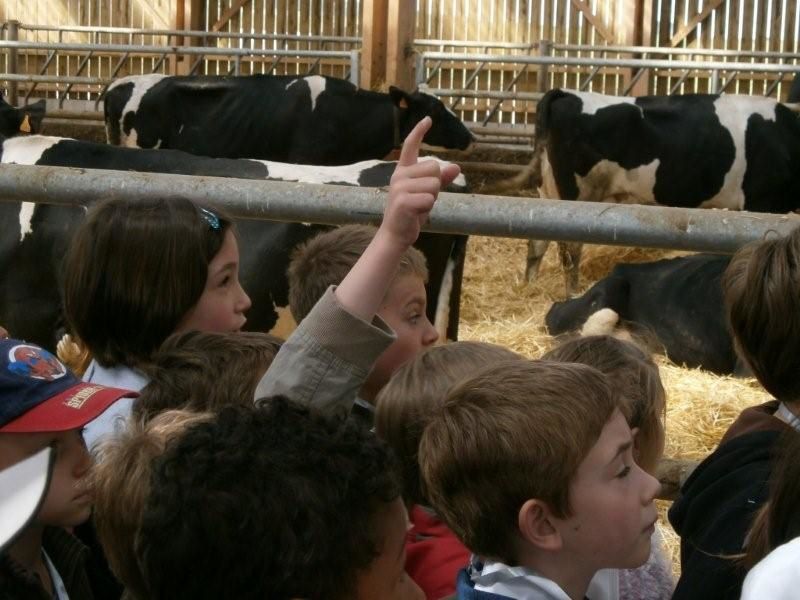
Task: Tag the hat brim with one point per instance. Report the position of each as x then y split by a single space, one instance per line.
23 487
71 409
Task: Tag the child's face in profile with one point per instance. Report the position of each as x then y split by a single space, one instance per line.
223 303
386 577
613 513
69 499
403 309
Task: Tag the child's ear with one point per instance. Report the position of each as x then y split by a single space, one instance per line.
536 525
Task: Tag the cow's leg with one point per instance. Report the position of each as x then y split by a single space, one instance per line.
536 252
570 255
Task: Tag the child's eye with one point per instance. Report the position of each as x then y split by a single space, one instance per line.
624 472
225 281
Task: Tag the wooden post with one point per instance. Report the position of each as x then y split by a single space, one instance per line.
373 45
400 44
13 86
645 19
192 14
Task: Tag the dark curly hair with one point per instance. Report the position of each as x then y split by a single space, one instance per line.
274 501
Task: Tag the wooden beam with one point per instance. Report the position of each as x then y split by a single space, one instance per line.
373 45
686 29
595 21
228 14
645 18
401 17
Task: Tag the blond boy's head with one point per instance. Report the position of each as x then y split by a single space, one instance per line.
518 453
122 484
325 260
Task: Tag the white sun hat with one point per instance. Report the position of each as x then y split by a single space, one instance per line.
22 490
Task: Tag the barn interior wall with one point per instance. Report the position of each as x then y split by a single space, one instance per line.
769 25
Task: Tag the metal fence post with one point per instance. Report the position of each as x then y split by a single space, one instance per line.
355 67
13 36
542 80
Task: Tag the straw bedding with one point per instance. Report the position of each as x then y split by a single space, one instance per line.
499 306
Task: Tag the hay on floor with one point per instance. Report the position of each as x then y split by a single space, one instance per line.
499 306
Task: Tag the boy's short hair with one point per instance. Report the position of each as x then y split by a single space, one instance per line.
762 296
122 484
632 372
268 501
514 432
133 270
417 390
325 259
201 371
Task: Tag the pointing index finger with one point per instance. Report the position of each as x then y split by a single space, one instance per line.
409 153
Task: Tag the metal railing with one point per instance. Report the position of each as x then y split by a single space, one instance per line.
246 51
705 230
722 73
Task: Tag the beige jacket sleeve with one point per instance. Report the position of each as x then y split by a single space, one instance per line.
327 358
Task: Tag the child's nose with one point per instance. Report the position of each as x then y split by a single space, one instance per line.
244 300
431 335
652 488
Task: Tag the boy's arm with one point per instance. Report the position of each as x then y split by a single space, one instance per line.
328 357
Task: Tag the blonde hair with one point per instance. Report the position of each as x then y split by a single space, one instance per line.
416 390
122 484
633 373
514 432
325 259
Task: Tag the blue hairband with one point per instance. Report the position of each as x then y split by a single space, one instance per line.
211 218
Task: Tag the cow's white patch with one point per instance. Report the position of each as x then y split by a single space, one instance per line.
593 102
347 174
180 129
607 181
27 150
602 322
26 211
316 85
442 318
733 112
141 84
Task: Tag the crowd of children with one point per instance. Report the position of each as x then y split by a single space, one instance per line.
357 459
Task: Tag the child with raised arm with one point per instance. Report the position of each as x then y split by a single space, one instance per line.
331 354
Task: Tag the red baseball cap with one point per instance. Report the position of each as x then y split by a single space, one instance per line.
38 393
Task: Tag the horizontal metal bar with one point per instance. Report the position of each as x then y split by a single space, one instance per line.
610 62
662 50
475 44
593 222
533 96
158 50
54 79
193 33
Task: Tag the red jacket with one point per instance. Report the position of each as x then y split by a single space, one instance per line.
434 555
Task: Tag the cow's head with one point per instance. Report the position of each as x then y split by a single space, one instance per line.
447 130
27 119
570 315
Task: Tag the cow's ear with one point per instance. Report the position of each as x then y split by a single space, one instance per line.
399 97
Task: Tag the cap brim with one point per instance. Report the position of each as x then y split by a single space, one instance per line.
23 487
70 409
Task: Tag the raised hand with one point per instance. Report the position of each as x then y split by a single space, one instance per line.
414 188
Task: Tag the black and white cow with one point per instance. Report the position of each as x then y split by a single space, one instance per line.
27 119
311 120
696 151
678 301
33 238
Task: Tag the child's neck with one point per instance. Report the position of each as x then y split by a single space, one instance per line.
561 570
27 551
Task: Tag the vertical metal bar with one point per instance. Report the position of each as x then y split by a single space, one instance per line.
13 57
355 67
